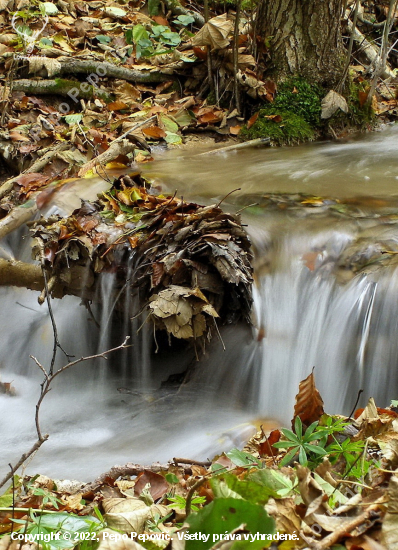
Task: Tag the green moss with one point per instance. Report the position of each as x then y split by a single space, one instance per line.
284 127
300 97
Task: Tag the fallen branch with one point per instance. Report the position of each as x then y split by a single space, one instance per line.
106 69
367 48
37 166
346 528
60 87
30 276
117 147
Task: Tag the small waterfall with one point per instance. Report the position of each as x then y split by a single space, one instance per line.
310 312
309 318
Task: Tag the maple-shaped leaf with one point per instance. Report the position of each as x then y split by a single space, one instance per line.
309 403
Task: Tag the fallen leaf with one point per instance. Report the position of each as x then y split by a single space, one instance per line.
158 484
331 103
309 403
265 448
234 130
214 33
154 132
129 514
117 106
252 120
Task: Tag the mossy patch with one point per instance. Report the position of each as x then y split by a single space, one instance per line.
294 115
281 126
300 97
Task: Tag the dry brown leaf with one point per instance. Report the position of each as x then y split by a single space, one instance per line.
158 484
117 106
154 132
309 403
252 120
234 130
214 33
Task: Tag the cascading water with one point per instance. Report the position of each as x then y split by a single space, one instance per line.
308 313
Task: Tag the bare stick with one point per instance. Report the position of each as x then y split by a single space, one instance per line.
236 55
45 388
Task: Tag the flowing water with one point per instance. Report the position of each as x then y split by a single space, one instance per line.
310 312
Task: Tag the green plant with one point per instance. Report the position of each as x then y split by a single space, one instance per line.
301 444
156 41
48 497
181 502
347 449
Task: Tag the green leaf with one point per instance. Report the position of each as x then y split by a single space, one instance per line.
153 7
45 42
229 486
171 478
315 449
298 427
140 33
289 456
303 457
184 20
73 119
239 458
394 403
128 36
48 8
310 429
103 38
276 483
223 515
169 124
284 444
290 436
173 139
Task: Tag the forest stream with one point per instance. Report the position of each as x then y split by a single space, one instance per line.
323 223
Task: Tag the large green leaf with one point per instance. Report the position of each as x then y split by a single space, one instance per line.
228 485
224 515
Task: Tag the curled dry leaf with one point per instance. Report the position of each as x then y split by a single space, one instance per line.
214 33
309 403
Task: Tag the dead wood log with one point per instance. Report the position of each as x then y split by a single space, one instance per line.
59 86
30 276
106 69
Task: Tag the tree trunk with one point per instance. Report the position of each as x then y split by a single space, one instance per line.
303 37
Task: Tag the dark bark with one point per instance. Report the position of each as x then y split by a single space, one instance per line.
303 37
